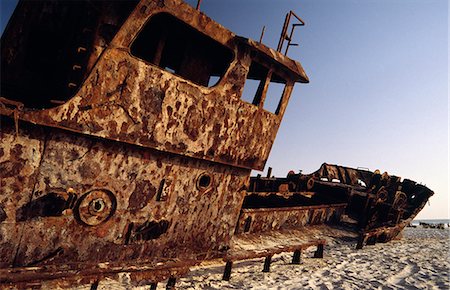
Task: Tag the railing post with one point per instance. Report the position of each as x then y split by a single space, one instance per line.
267 262
296 258
171 283
319 251
227 271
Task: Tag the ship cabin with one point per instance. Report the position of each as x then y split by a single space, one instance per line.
129 131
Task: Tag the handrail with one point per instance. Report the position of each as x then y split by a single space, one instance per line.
284 36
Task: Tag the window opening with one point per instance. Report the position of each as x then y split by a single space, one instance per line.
362 183
46 58
260 93
150 230
249 92
254 85
180 49
213 80
169 69
274 94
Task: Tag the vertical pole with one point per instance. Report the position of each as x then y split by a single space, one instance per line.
361 241
171 283
368 210
247 225
264 91
283 32
94 285
153 286
267 262
296 257
160 190
399 216
227 271
269 172
198 4
262 33
319 251
289 40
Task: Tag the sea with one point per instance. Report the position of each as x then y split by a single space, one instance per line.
431 221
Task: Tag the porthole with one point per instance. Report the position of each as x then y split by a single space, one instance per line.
204 181
95 207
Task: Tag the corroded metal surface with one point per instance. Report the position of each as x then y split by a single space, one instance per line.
266 219
137 274
381 204
127 99
74 164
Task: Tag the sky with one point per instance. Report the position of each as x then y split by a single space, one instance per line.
378 91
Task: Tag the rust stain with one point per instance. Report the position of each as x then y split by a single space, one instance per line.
141 196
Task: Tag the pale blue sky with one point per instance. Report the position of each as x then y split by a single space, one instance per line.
378 95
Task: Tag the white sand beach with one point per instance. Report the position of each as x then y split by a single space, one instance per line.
420 260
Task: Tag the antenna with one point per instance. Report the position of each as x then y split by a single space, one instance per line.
198 4
262 33
284 36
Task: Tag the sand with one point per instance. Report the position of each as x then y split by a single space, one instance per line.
420 260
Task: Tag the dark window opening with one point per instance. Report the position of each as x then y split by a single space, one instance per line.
149 230
180 49
48 47
49 205
257 90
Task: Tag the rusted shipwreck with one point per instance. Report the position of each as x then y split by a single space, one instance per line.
127 146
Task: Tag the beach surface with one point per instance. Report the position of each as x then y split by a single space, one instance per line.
420 260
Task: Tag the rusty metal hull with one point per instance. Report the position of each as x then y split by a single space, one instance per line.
276 219
380 205
41 226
